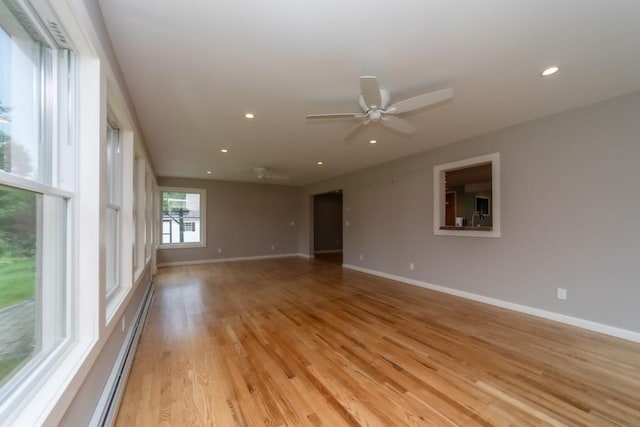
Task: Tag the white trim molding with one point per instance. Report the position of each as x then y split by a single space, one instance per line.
218 260
549 315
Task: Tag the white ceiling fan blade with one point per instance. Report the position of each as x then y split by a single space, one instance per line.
335 116
398 124
353 132
370 91
278 177
420 101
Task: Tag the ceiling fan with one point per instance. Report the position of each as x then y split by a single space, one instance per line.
374 103
263 172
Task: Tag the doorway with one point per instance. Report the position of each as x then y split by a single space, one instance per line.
327 226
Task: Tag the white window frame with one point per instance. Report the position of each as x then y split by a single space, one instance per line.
439 191
203 218
44 397
34 391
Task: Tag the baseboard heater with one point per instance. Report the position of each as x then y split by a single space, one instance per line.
107 407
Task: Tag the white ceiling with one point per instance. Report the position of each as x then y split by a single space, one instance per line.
194 67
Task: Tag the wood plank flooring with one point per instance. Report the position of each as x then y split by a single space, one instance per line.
304 342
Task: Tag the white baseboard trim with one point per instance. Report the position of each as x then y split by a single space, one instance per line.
217 260
329 251
307 256
549 315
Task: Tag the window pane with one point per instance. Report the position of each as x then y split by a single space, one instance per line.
32 291
112 249
114 165
112 225
18 275
180 217
25 100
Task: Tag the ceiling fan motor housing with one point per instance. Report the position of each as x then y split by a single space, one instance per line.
371 95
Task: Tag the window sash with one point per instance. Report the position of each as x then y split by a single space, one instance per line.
39 157
50 286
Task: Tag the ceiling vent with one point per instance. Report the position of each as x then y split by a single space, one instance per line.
58 34
40 12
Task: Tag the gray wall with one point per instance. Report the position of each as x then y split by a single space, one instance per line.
243 220
567 218
327 222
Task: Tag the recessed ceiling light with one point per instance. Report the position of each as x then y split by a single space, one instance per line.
209 172
320 163
373 141
249 115
224 150
550 71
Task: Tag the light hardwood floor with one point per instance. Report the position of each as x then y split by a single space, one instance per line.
304 342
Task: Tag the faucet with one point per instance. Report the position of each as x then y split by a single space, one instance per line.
473 217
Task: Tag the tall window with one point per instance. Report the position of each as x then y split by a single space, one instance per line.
149 237
36 190
114 202
139 214
183 217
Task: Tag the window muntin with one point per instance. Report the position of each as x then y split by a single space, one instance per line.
36 179
183 217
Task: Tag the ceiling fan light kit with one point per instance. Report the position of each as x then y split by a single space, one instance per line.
260 171
374 103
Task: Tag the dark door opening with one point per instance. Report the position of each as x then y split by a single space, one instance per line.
327 226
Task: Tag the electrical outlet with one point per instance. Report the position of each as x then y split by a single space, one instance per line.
346 223
293 223
562 293
361 257
273 248
411 266
219 250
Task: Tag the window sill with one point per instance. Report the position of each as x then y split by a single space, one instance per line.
467 227
182 245
49 388
467 231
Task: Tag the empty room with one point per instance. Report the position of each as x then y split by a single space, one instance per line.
219 213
